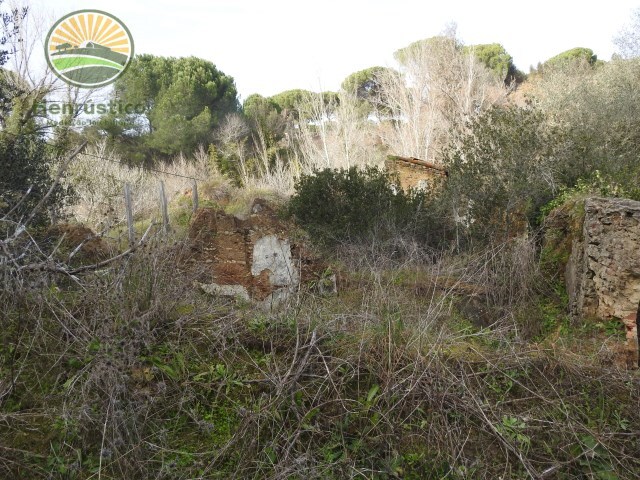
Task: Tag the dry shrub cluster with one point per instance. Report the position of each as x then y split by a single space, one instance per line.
98 177
333 134
132 373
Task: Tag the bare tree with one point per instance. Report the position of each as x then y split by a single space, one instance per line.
438 89
336 136
27 81
231 138
28 77
628 39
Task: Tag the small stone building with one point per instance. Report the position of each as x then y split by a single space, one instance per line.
415 173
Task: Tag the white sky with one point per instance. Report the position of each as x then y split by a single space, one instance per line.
273 46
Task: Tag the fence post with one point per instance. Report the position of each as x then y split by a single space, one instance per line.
194 192
129 210
163 207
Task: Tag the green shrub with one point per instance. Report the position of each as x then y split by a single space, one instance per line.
595 184
502 170
26 166
347 205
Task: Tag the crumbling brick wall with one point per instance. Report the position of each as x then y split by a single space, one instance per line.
252 258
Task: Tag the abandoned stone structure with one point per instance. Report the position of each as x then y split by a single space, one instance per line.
249 258
415 173
602 272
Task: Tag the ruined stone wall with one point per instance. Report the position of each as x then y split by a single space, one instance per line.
602 273
251 258
412 176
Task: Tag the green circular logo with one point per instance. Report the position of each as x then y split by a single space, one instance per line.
89 48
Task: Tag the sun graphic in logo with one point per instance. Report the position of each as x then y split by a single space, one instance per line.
89 48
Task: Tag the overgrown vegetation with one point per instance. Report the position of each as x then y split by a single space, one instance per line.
27 163
143 377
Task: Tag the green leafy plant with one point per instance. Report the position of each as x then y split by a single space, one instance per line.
594 460
595 184
221 374
513 429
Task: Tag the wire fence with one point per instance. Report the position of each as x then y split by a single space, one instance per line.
128 192
110 160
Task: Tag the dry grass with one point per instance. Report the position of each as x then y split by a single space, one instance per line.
98 178
132 373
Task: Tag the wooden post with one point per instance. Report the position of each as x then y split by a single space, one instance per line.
163 207
129 210
194 192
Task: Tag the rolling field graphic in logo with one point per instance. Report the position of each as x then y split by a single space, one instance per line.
89 48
